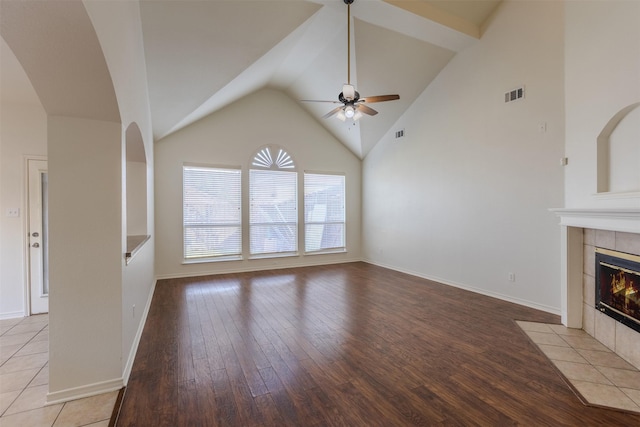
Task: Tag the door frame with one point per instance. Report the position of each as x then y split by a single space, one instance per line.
25 234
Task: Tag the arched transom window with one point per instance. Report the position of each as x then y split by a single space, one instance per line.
272 158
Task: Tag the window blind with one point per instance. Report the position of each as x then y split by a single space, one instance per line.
324 212
212 217
273 212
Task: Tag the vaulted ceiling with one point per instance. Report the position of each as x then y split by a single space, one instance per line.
203 55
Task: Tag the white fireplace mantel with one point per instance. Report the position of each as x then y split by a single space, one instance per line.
573 221
624 220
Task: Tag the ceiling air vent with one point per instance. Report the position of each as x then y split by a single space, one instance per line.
514 95
400 133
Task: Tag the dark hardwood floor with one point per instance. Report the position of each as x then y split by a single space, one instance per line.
343 345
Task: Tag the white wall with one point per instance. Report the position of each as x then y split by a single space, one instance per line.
231 137
463 197
23 132
602 76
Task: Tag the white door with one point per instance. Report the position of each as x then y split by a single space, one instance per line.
38 236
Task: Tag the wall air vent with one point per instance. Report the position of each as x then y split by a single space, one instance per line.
400 133
514 95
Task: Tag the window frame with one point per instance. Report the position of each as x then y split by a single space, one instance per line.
239 225
340 249
295 215
278 160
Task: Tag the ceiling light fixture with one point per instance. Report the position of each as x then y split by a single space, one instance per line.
352 105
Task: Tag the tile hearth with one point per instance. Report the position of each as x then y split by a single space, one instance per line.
598 375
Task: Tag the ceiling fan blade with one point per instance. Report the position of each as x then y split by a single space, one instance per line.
367 110
380 98
332 112
318 100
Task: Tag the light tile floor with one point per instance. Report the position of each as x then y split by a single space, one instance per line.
597 374
24 381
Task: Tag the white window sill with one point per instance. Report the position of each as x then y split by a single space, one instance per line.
276 255
327 252
216 259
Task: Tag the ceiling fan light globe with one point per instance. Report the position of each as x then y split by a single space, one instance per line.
341 116
357 115
349 111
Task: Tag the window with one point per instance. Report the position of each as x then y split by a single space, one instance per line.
324 212
212 219
273 208
214 227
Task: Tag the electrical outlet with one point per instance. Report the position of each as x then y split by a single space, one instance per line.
13 212
512 277
133 311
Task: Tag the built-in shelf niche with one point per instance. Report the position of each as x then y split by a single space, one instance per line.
136 191
619 154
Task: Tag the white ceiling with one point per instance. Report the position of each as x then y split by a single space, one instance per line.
203 55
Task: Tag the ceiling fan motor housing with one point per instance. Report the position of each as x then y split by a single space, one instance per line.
348 94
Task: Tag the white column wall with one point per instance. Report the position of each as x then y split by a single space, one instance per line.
118 27
85 320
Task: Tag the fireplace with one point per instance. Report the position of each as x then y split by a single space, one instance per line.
618 286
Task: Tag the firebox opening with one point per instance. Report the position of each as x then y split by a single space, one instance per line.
618 286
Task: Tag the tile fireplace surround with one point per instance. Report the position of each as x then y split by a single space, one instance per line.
582 231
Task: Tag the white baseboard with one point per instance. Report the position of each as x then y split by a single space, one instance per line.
136 340
84 391
11 315
530 304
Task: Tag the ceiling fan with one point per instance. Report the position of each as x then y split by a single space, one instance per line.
353 106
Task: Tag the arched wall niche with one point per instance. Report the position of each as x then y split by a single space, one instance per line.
619 152
136 189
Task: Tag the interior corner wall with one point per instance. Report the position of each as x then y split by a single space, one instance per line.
230 137
602 76
463 197
85 320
